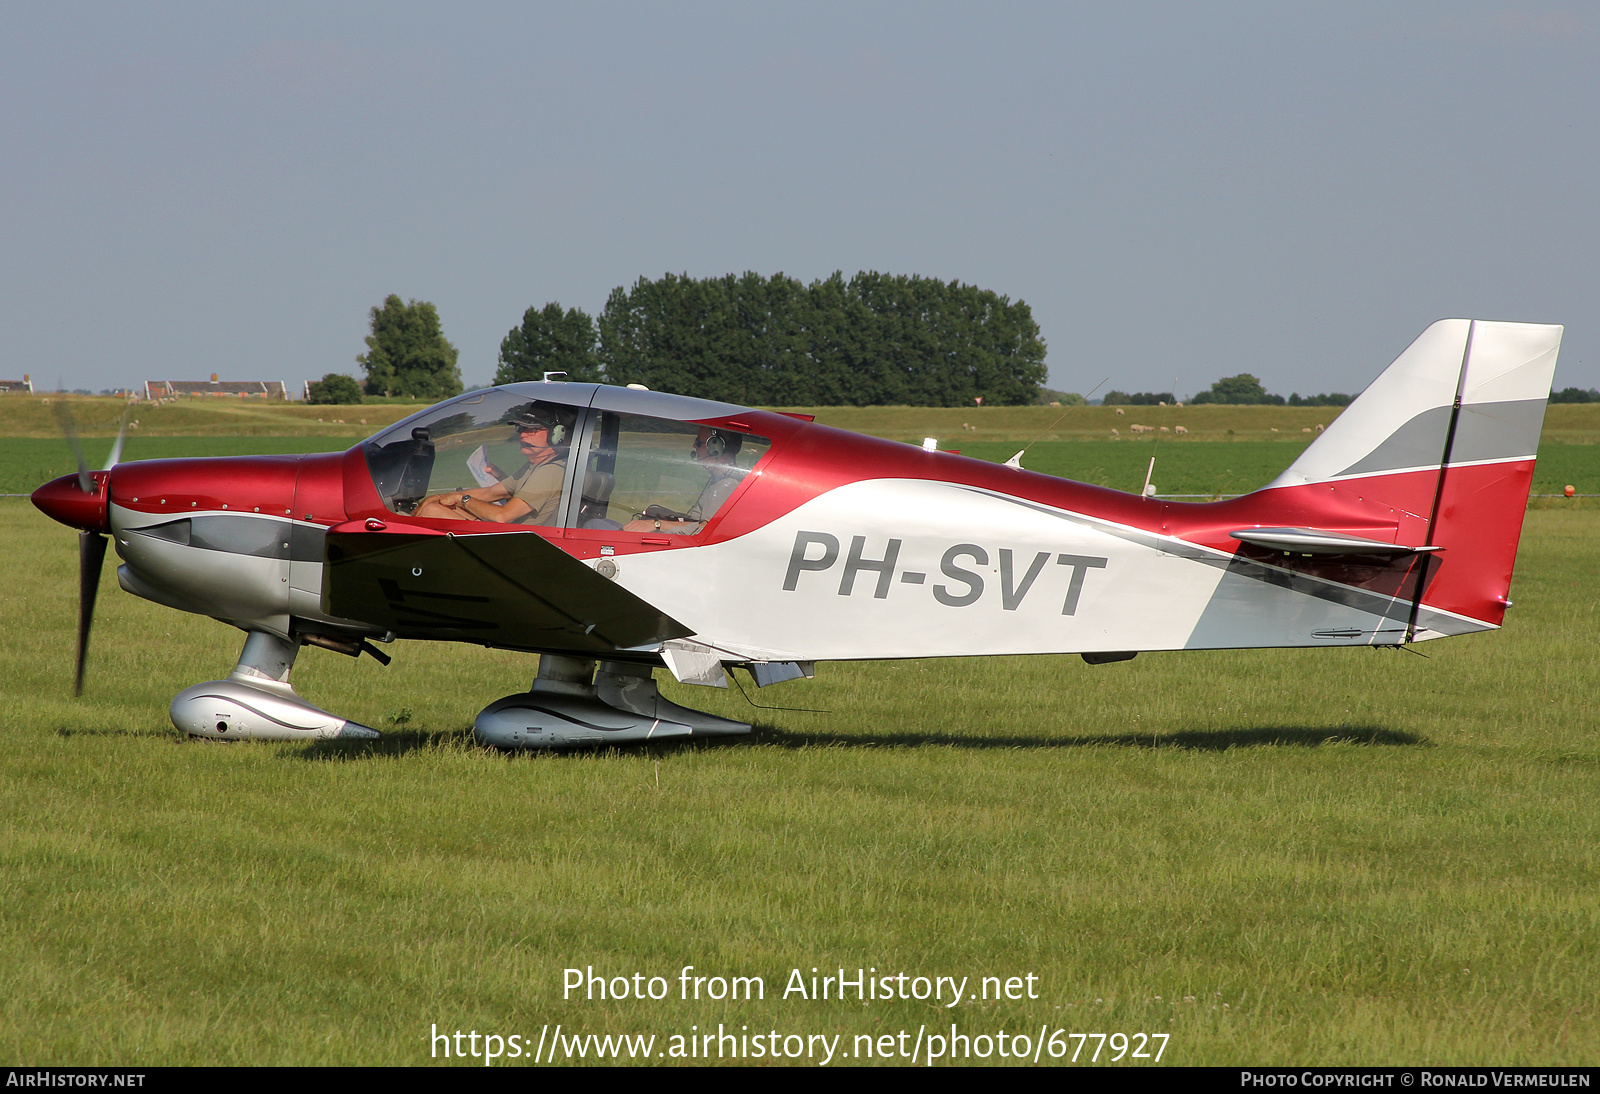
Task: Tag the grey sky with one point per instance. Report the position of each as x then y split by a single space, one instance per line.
1178 190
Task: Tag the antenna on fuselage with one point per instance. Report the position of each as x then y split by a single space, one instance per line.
1147 490
1016 461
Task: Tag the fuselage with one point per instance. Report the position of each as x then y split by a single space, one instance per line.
834 545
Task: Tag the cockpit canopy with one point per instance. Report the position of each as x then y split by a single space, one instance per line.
603 462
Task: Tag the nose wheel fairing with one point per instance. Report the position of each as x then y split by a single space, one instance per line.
572 705
257 703
232 710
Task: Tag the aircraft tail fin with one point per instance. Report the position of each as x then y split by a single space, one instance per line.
1445 438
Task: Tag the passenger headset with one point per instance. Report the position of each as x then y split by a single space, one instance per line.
716 444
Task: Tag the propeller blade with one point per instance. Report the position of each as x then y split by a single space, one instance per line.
91 556
122 432
70 430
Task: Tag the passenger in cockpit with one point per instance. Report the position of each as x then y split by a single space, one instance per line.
714 450
531 496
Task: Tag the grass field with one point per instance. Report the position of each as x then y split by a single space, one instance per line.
1276 857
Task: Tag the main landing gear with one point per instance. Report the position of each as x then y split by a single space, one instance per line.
570 703
256 701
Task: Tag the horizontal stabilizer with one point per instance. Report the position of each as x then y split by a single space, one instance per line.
1314 541
510 589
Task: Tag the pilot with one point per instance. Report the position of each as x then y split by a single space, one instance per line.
532 495
715 450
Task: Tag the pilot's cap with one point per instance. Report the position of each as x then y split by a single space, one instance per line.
523 423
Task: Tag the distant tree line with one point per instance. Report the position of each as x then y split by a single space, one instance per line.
1241 390
1331 399
873 339
1246 390
1143 398
1576 395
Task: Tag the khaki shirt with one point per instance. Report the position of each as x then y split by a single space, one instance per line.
540 489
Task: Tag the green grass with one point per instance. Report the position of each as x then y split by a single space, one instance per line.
1337 856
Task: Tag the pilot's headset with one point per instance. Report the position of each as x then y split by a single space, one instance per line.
559 434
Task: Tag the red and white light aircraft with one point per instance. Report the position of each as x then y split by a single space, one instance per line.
695 535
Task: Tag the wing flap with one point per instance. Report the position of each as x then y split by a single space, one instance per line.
512 589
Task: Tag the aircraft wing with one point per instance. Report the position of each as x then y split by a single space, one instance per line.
506 589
